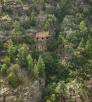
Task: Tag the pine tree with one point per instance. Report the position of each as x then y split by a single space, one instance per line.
81 44
36 71
30 62
16 33
40 66
88 46
83 27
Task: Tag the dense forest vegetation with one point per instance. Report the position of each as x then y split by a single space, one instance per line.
49 42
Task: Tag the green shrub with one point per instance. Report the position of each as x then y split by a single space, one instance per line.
3 69
18 100
26 24
14 68
6 60
33 22
13 80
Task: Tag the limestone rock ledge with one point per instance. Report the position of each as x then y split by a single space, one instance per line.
31 92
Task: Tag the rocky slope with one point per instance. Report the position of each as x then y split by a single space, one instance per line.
28 19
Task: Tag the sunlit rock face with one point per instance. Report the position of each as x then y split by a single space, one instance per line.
28 92
88 85
42 38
